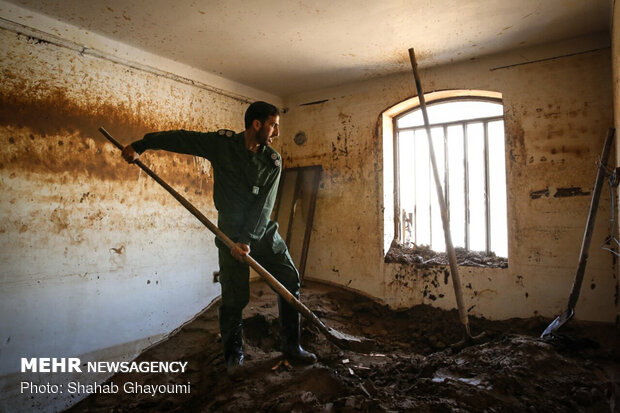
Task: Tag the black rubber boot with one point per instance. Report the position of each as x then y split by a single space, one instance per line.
231 329
290 335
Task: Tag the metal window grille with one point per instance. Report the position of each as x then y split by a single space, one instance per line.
472 205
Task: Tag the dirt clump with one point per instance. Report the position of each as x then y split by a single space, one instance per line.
422 256
413 367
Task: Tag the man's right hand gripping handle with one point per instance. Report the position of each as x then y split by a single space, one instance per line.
129 154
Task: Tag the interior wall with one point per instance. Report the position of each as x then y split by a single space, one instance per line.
97 261
558 107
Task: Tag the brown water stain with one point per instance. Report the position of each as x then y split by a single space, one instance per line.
57 135
82 157
570 192
559 193
57 114
577 150
540 193
515 136
118 250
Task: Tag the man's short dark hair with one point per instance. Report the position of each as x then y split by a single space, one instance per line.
261 111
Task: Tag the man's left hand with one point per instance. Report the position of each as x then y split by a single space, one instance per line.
239 251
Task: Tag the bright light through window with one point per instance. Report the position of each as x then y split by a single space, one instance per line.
468 140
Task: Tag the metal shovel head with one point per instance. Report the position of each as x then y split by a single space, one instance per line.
349 342
558 322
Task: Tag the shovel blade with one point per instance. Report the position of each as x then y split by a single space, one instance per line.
558 322
349 342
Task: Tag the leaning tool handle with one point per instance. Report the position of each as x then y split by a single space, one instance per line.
271 280
456 279
587 237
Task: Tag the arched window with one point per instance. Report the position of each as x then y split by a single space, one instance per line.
468 139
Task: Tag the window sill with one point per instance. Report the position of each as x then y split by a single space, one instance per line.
424 257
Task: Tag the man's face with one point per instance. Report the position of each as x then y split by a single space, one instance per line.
268 131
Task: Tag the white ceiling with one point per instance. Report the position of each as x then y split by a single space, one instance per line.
286 47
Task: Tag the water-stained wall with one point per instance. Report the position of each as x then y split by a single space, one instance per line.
96 259
558 107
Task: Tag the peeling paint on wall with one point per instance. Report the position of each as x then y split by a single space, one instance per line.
568 192
558 192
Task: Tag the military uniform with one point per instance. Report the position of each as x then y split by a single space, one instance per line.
244 192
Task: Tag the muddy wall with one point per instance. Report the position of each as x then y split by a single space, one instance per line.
97 261
558 105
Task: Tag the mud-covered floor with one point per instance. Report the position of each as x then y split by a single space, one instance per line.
413 367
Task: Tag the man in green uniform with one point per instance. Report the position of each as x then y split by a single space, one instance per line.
246 172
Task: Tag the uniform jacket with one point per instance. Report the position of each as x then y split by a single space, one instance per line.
245 183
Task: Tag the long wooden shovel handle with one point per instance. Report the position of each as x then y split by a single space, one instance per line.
270 279
568 314
454 270
587 236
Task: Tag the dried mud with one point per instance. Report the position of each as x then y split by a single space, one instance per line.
412 368
423 256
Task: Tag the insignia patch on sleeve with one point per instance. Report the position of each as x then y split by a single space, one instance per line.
226 132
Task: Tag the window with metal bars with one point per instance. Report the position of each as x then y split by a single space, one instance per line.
468 140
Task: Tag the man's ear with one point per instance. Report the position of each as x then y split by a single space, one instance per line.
257 124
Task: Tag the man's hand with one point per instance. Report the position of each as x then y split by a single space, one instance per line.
129 154
238 251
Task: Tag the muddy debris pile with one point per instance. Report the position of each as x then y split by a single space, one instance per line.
422 256
413 367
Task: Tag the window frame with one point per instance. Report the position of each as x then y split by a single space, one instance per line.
398 218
